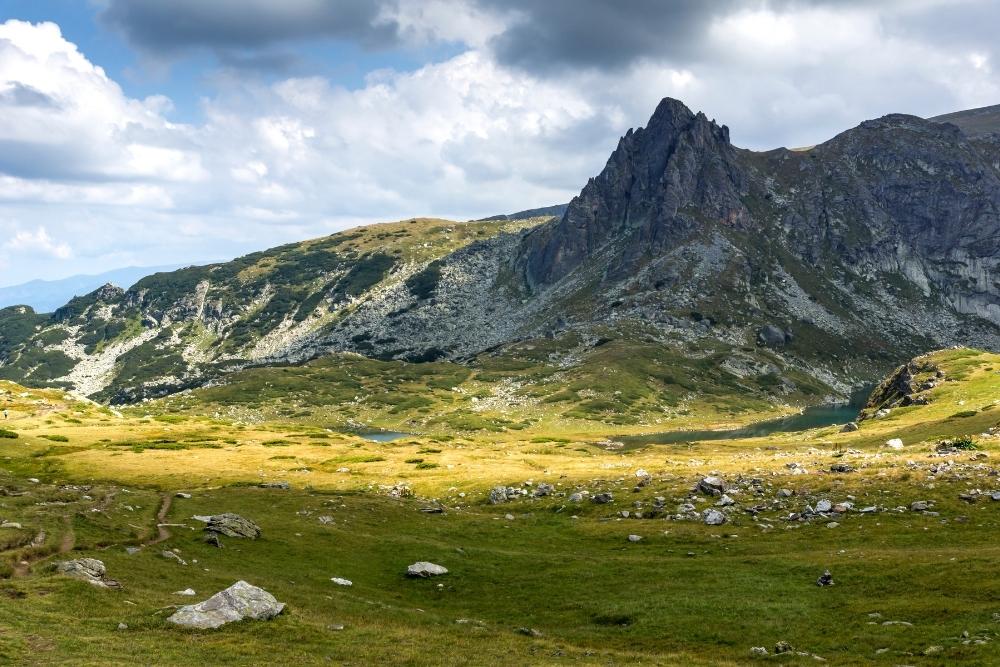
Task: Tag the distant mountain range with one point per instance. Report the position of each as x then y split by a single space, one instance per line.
44 296
806 271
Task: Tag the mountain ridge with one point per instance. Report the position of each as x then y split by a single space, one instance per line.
835 262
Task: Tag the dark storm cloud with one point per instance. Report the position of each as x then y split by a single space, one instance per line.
602 34
166 28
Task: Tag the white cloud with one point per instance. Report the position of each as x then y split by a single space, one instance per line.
38 242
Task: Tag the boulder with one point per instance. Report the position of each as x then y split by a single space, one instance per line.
825 579
90 570
894 443
239 601
824 506
849 427
233 525
713 517
772 336
919 506
712 486
543 490
424 569
501 494
602 498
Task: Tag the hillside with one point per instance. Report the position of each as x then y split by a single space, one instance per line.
977 123
797 273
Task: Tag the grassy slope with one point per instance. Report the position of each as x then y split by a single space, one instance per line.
621 383
687 594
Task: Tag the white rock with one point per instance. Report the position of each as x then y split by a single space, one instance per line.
425 569
635 538
186 591
824 506
341 582
239 601
713 517
894 443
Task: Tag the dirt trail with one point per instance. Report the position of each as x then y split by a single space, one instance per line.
162 532
22 568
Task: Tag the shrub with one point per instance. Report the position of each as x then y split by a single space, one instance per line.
4 433
56 438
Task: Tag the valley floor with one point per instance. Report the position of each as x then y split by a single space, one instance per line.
550 578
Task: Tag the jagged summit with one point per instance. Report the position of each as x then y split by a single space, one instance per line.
652 182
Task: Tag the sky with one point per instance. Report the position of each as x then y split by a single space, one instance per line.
150 132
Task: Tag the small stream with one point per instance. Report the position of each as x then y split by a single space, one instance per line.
815 417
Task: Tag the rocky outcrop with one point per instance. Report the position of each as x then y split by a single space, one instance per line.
236 603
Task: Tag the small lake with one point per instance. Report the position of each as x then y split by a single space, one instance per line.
815 417
383 436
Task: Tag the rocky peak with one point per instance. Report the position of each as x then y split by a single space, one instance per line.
108 292
658 183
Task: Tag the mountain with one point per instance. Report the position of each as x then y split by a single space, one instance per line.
975 123
543 212
45 296
818 269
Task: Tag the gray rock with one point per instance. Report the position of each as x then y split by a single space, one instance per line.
90 570
782 647
212 539
824 506
543 490
501 494
602 498
841 467
635 538
758 651
712 486
995 495
772 336
576 497
919 506
341 581
239 601
849 427
713 517
725 501
825 579
284 486
425 569
233 525
186 592
181 494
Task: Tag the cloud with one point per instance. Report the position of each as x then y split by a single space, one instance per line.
169 28
36 243
64 118
556 35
